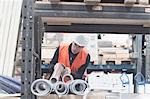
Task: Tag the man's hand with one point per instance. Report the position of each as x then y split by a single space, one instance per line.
67 70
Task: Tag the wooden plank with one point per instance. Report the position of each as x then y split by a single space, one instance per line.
73 0
98 4
53 0
104 1
130 2
145 2
92 1
116 60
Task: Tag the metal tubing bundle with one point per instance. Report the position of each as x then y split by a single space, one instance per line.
9 85
61 88
6 89
78 87
13 80
41 87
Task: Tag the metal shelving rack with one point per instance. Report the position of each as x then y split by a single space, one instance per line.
34 28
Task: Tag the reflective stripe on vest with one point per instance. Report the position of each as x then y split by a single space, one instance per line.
79 60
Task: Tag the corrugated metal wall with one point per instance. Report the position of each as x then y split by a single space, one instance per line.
10 11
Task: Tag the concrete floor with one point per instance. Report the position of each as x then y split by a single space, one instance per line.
93 95
100 95
9 96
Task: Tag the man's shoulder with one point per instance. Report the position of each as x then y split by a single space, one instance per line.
85 50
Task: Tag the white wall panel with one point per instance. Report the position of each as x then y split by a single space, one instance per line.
4 28
10 11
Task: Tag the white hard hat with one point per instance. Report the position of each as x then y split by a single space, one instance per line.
81 40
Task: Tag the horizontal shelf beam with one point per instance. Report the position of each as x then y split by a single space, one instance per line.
87 14
90 28
81 10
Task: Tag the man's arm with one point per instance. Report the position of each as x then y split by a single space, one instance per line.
80 72
54 59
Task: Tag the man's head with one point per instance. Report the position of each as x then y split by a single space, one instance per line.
78 43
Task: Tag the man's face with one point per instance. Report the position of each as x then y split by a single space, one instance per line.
75 48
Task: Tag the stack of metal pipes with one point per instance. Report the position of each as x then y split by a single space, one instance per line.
61 83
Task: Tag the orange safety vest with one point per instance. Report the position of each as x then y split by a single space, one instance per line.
63 58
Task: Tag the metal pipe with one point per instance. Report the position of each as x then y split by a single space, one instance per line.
54 80
78 87
61 88
67 78
41 87
58 69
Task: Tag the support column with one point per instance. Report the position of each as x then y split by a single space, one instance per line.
147 68
38 34
28 61
137 47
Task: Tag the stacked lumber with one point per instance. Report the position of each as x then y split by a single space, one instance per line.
130 2
113 56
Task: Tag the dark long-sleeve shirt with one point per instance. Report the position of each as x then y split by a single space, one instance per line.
80 72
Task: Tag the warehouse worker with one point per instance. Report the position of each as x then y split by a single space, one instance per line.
72 57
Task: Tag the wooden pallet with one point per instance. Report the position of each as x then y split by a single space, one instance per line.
145 2
116 61
103 1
